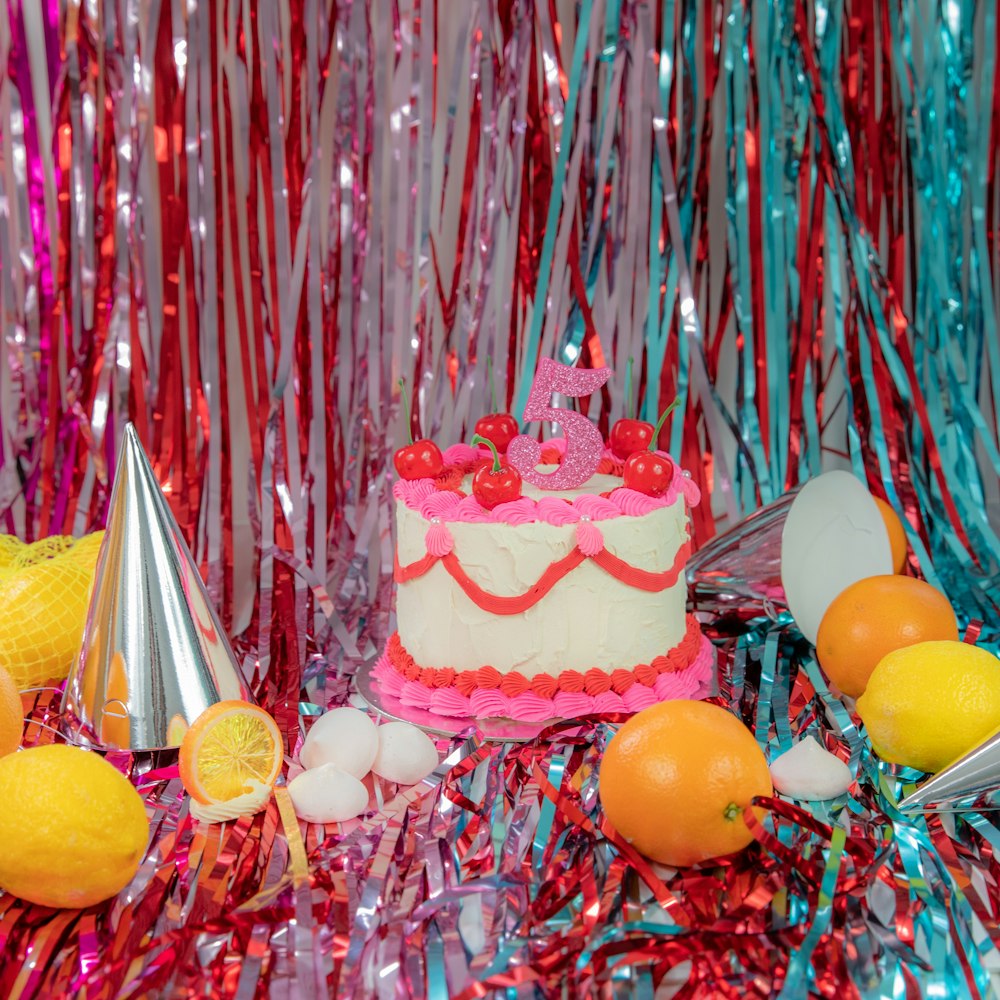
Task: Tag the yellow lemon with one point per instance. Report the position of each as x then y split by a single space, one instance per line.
11 715
928 704
44 593
72 829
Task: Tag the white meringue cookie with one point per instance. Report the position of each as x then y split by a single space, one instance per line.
344 737
810 772
405 754
325 795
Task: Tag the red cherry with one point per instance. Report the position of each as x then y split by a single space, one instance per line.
494 488
500 428
420 460
648 472
630 436
494 482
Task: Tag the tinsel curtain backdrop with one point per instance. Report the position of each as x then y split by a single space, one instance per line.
239 224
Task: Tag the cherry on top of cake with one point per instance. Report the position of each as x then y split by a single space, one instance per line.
647 470
496 427
418 459
629 435
496 482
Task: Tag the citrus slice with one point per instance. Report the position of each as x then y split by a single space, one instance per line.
227 746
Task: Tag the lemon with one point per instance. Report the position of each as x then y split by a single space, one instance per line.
72 829
11 715
44 593
926 705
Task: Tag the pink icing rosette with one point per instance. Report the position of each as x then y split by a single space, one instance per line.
413 491
598 508
471 511
554 510
521 511
608 701
530 707
449 701
632 503
489 703
438 540
638 697
440 504
589 539
460 454
570 704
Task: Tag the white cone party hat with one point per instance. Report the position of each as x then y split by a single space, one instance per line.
744 561
154 655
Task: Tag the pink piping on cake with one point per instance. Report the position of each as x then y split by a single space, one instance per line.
589 539
459 454
438 540
694 682
635 504
552 510
423 495
521 511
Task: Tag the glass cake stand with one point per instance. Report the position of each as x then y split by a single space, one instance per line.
493 730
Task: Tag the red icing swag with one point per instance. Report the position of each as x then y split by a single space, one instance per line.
632 576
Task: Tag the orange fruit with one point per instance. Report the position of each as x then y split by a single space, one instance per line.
676 778
11 715
227 746
875 617
897 536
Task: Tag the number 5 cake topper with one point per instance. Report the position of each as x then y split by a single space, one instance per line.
584 445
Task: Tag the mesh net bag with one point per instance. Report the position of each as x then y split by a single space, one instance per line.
44 592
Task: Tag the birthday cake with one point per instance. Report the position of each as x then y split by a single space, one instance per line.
549 604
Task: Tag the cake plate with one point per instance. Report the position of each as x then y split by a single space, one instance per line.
493 730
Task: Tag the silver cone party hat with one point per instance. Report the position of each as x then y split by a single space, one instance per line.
970 783
154 655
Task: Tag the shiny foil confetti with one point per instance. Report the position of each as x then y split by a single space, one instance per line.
239 224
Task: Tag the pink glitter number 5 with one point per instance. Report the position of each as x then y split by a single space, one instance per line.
584 446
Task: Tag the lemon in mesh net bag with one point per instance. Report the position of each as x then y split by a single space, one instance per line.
44 592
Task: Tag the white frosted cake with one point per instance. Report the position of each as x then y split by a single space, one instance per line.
553 605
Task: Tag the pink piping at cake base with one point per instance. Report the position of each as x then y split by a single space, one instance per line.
693 682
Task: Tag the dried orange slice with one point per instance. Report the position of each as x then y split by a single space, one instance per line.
227 746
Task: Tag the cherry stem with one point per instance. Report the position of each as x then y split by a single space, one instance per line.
406 410
478 439
493 388
629 409
659 423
